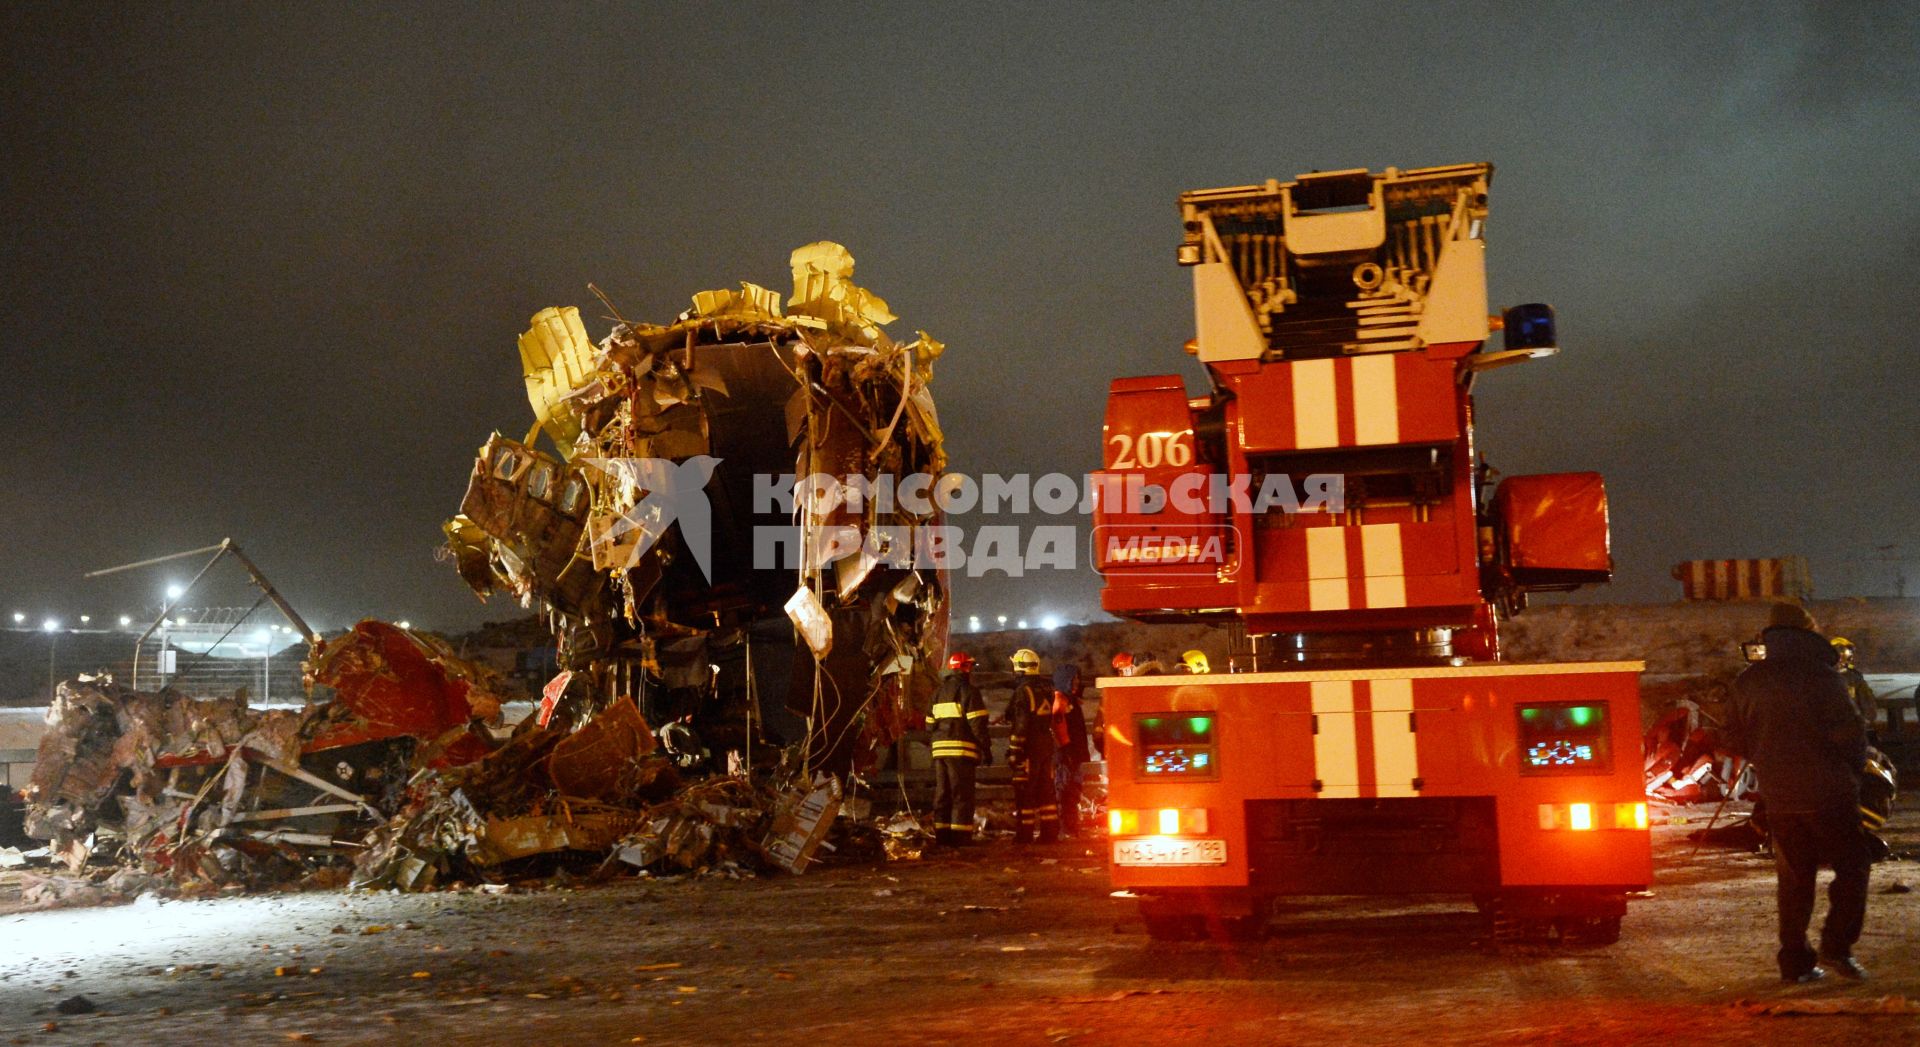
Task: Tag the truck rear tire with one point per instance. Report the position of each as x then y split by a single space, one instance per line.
1236 928
1590 930
1173 927
1570 919
1186 920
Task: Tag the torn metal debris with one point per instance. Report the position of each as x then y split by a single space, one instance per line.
211 789
1686 761
801 822
189 794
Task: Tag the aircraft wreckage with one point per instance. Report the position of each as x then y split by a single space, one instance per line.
646 539
708 701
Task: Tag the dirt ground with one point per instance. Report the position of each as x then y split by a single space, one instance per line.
894 954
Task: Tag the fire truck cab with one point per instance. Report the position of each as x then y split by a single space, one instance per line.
1325 503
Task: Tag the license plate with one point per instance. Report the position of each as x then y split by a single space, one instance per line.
1165 851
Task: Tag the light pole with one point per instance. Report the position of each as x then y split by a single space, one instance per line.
52 628
265 638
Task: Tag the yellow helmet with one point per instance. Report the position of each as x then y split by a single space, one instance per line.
1196 662
1841 641
1026 661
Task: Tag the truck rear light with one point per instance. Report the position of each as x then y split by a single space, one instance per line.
1162 821
1185 820
1580 817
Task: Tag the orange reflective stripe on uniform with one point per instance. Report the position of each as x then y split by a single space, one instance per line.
977 714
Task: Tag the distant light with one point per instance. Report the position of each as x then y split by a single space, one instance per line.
263 636
125 621
18 617
176 591
1003 619
51 625
1051 621
1023 623
85 618
404 624
973 623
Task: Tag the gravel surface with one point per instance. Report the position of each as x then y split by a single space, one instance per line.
893 954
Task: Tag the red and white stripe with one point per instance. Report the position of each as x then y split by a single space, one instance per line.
1363 742
1381 567
1370 400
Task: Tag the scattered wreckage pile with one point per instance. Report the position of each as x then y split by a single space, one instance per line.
400 780
1686 761
662 537
683 595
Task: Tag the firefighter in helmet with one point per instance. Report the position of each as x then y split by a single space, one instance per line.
1030 750
1858 689
958 724
1195 663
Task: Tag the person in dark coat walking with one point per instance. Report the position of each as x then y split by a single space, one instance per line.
1791 715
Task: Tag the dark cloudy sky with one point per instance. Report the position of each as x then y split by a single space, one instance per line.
262 266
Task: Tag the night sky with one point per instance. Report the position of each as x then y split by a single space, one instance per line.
264 265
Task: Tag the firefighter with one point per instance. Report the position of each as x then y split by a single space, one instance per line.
683 744
958 724
1195 662
1791 716
1123 664
1030 751
1857 687
1070 734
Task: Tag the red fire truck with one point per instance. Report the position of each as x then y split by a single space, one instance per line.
1324 501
